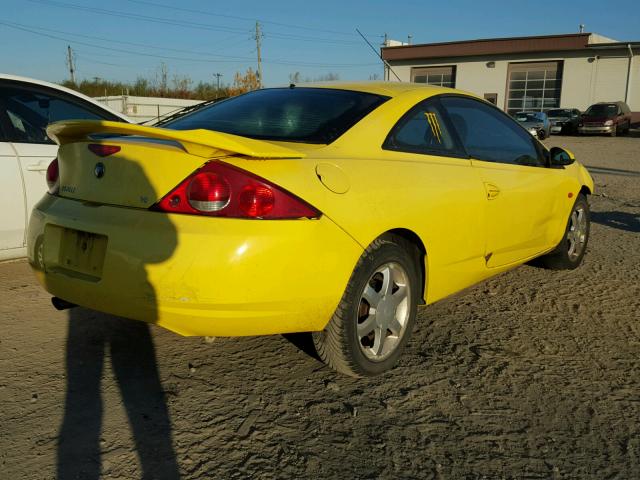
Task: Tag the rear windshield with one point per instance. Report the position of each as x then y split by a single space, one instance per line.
610 110
309 115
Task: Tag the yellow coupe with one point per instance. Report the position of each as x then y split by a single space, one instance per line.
335 209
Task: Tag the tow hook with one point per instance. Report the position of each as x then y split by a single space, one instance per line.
60 304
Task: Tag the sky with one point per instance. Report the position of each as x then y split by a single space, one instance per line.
126 39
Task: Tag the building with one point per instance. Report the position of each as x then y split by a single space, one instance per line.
145 109
527 73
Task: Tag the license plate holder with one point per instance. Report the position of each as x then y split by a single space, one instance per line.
74 252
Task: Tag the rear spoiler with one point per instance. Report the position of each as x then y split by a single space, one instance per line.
202 143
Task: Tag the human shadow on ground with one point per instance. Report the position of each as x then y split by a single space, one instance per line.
629 222
93 337
135 241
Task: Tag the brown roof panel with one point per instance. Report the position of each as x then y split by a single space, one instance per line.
492 46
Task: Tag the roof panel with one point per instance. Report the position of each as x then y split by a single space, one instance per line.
492 46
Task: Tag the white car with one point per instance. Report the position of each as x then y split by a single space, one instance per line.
26 107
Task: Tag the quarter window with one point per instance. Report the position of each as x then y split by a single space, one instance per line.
488 134
423 130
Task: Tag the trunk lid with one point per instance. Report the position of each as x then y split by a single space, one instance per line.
150 163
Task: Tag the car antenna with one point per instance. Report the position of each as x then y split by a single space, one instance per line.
386 64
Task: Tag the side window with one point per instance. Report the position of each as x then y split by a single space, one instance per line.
29 111
490 135
423 130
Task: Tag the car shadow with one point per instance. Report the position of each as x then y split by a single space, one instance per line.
629 222
304 343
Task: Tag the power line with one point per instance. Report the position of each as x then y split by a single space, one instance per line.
185 23
123 42
235 17
136 16
182 59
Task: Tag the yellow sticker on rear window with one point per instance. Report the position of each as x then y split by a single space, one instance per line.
435 126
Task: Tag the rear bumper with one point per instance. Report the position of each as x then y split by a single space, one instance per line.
195 275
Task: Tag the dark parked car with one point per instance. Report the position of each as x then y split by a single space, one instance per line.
537 123
564 120
610 118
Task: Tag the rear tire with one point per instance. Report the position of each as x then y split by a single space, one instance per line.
571 249
375 317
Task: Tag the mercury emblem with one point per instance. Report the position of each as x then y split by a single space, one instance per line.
99 170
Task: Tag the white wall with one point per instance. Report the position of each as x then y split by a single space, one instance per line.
634 90
145 109
586 79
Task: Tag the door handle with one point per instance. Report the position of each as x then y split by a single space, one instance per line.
492 191
37 167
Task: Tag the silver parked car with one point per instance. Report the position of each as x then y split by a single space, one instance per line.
537 123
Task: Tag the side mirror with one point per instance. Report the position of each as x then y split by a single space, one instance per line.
561 157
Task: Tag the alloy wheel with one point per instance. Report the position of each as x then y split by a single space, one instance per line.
577 233
383 311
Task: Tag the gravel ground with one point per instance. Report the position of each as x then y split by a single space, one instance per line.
533 374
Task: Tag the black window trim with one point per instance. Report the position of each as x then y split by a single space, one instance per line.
542 152
4 121
460 151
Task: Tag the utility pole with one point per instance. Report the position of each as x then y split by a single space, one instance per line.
385 43
258 38
72 70
217 75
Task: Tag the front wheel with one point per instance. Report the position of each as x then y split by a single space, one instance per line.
571 249
375 317
541 134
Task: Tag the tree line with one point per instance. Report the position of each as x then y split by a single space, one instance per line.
179 86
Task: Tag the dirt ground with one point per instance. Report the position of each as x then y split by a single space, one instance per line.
534 374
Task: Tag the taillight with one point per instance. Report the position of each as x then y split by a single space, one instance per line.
222 190
208 192
53 175
256 200
103 150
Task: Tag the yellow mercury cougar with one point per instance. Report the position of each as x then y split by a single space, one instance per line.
334 208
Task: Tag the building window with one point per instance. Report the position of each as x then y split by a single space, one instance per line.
533 87
441 76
